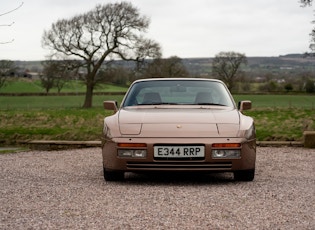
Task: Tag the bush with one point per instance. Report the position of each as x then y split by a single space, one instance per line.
310 86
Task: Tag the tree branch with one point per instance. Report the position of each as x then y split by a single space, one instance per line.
7 42
305 3
12 10
8 24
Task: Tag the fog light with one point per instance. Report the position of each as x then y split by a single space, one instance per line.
226 153
140 153
136 153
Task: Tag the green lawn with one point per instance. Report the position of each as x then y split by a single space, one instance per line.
279 101
51 102
34 86
258 101
52 124
282 124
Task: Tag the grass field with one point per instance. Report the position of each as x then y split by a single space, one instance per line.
51 102
46 102
277 117
279 101
24 85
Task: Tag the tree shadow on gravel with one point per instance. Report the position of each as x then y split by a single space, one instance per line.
178 178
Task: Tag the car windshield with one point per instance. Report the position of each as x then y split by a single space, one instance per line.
179 92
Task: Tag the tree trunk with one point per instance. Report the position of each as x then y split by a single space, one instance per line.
88 95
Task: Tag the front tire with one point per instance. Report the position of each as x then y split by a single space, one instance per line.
245 175
113 175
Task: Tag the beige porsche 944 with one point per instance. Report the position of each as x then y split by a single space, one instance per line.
178 125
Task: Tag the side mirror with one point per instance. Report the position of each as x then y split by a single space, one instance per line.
111 105
244 105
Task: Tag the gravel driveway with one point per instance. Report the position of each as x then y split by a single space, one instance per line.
66 190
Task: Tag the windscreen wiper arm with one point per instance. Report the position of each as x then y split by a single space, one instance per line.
159 103
210 104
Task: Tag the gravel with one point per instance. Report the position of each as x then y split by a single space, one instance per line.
66 190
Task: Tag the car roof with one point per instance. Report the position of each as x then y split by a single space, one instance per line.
177 79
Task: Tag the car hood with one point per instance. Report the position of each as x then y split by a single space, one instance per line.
179 122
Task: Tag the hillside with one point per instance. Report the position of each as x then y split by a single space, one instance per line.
291 63
282 64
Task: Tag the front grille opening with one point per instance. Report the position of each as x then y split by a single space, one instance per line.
180 165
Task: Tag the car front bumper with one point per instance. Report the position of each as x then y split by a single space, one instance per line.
113 162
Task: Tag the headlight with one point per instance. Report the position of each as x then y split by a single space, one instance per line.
224 150
134 150
226 153
135 153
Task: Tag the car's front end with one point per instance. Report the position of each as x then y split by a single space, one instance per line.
178 137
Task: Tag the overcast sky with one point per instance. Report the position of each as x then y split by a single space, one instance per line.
185 28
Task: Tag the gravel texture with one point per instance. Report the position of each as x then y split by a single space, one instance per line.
66 190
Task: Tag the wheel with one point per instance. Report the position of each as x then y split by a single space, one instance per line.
113 175
245 175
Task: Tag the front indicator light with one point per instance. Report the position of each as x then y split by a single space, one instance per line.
226 153
133 145
226 145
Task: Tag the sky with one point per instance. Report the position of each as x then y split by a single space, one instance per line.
183 28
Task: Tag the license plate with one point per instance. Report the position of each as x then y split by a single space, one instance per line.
179 151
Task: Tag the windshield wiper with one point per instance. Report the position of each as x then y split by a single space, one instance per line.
159 103
210 104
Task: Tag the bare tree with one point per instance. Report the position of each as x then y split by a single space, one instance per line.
226 66
116 74
312 45
47 82
57 73
109 31
305 3
6 67
169 67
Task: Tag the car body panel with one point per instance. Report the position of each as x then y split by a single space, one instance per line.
178 122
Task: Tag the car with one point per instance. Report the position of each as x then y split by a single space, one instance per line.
178 125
